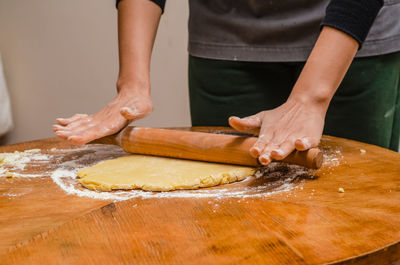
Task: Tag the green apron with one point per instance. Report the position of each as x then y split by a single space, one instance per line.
366 106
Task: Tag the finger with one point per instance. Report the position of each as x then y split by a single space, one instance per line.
266 155
257 148
79 121
61 121
261 143
247 124
77 140
265 158
62 134
82 124
306 143
67 121
283 150
58 128
82 138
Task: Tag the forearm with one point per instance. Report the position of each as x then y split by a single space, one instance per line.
137 27
325 68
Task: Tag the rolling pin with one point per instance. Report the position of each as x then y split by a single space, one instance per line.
203 146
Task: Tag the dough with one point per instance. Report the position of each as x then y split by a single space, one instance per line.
158 174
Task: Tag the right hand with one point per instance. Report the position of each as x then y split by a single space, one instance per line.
127 106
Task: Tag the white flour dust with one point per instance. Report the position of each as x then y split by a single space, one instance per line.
13 164
63 164
278 178
333 158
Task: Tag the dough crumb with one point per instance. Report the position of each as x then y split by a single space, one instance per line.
363 151
9 175
341 190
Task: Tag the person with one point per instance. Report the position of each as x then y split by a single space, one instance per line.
6 123
277 68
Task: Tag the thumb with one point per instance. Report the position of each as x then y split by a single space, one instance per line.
129 113
248 124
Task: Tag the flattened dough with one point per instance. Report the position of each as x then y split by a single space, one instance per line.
158 174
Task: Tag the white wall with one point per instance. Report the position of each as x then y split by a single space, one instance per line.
60 58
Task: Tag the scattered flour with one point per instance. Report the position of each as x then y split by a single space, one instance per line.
63 164
332 157
65 177
13 164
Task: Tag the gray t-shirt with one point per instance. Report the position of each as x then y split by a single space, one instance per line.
276 30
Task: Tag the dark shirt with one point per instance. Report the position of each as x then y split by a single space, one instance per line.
354 17
275 30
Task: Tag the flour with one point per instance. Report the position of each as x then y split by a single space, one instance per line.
269 180
63 164
13 164
332 157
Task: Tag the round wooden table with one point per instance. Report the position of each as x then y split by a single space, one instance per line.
314 223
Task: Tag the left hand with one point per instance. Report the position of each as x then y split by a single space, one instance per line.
293 125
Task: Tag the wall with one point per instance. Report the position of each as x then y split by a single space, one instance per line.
60 58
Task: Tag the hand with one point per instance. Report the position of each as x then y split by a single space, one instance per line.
298 123
293 125
127 106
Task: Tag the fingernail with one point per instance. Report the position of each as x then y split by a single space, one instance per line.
60 119
278 151
231 117
306 143
255 152
265 159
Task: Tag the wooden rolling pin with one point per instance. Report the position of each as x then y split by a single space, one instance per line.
203 146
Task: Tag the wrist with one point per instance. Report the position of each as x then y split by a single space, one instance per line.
313 96
325 68
132 85
313 87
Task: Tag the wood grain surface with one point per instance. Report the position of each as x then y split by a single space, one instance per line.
40 205
313 224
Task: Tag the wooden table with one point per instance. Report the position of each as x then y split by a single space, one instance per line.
314 224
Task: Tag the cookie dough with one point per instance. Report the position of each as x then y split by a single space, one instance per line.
158 174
